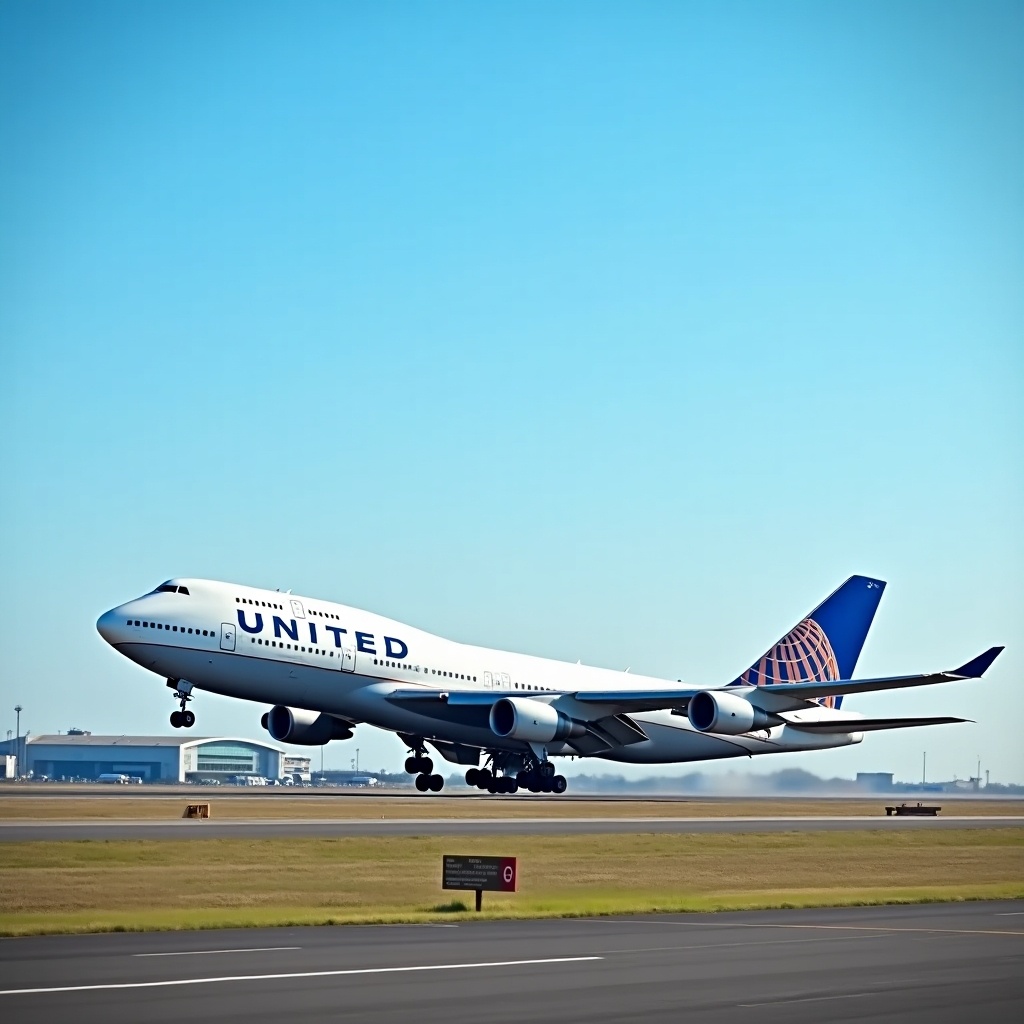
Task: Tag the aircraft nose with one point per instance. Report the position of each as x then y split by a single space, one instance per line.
106 626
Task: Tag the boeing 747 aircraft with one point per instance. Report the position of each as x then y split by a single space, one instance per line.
326 667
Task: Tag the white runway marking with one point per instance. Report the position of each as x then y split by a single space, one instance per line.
208 952
808 999
297 974
874 928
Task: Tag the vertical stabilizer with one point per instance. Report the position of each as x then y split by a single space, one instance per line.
826 644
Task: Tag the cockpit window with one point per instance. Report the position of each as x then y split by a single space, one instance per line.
169 588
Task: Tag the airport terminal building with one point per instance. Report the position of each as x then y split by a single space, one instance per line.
150 758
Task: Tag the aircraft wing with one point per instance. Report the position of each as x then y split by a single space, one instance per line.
784 696
605 729
871 724
811 691
611 708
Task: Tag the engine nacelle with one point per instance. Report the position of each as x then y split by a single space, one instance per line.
726 713
533 721
304 728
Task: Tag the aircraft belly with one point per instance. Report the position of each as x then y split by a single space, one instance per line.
668 743
302 686
267 681
231 675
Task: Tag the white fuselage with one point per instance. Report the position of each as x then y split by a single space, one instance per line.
277 648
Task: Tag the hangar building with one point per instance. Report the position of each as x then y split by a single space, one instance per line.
150 758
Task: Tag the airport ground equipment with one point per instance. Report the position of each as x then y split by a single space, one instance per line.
919 809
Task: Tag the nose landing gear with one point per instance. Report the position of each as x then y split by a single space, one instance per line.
182 719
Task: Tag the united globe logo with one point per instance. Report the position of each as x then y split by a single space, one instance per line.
803 655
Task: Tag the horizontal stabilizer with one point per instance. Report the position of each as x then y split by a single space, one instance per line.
871 724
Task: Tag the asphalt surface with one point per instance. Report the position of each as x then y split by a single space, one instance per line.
937 963
19 831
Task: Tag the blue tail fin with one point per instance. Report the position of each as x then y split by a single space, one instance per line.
825 645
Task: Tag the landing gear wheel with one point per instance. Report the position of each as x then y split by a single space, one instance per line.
435 783
547 770
513 786
188 719
418 765
471 776
558 784
423 783
176 719
483 778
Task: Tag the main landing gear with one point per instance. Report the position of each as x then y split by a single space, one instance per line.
182 719
421 766
535 776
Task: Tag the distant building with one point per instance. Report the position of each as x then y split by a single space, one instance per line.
875 782
296 768
81 755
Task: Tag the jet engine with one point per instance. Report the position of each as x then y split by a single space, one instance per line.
305 728
533 721
726 713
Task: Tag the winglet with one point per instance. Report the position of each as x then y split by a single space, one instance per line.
979 665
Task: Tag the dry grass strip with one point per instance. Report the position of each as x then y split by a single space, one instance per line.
129 884
277 805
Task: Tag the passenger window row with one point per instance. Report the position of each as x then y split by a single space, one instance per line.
416 668
261 604
278 607
323 615
175 629
290 647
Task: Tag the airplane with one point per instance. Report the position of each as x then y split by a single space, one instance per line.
326 667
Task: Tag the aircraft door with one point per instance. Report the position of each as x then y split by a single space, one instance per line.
227 636
348 657
487 681
297 610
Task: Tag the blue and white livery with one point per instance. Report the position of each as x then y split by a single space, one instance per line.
326 667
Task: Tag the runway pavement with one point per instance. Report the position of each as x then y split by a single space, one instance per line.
22 831
937 963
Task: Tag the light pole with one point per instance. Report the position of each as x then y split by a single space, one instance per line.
17 747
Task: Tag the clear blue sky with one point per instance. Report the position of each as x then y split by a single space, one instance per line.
613 331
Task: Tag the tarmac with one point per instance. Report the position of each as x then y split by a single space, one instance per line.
290 828
937 963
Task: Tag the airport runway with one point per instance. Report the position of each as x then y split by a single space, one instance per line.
22 831
939 963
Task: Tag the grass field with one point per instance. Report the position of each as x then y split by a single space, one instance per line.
126 804
135 885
